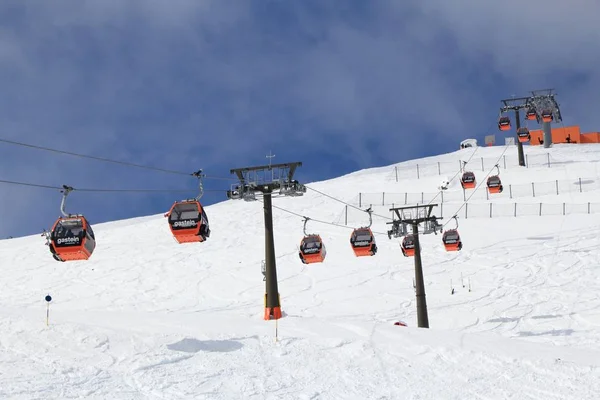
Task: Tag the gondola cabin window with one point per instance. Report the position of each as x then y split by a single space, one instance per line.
68 232
362 239
311 245
184 216
451 237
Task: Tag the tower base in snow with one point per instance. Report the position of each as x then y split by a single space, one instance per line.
273 312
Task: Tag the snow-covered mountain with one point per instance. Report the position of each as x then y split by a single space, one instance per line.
148 318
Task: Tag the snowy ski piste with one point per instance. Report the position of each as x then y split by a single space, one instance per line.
148 318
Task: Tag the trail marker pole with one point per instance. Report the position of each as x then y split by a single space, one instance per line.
48 299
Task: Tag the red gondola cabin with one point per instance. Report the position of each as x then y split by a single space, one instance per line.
363 242
494 184
312 249
468 180
504 123
451 240
547 116
72 239
188 222
523 135
530 115
408 246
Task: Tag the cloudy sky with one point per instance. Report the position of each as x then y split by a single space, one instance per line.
218 84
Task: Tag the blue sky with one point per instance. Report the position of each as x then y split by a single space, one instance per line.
217 84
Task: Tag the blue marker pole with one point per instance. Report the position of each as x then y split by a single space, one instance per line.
48 299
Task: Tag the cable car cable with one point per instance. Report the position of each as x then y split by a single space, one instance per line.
103 159
343 202
105 190
317 220
455 175
477 187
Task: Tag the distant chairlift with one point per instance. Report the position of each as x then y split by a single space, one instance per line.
71 237
312 249
362 240
187 219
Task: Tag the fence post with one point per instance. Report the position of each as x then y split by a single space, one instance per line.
405 198
442 210
548 154
588 207
504 157
383 198
466 210
422 197
359 199
579 185
515 209
491 210
533 188
510 190
540 209
439 170
526 160
482 168
396 169
557 187
346 218
418 177
464 195
487 194
563 208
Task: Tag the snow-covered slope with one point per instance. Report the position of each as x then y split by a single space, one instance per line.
148 318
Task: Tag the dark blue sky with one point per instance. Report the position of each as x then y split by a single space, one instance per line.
217 84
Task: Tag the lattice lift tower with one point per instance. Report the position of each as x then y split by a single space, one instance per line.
541 106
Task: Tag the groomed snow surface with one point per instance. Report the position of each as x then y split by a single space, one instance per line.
147 318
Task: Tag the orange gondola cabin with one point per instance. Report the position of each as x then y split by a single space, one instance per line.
547 116
494 184
408 246
504 123
451 240
468 180
523 135
188 222
312 249
72 239
363 242
530 115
